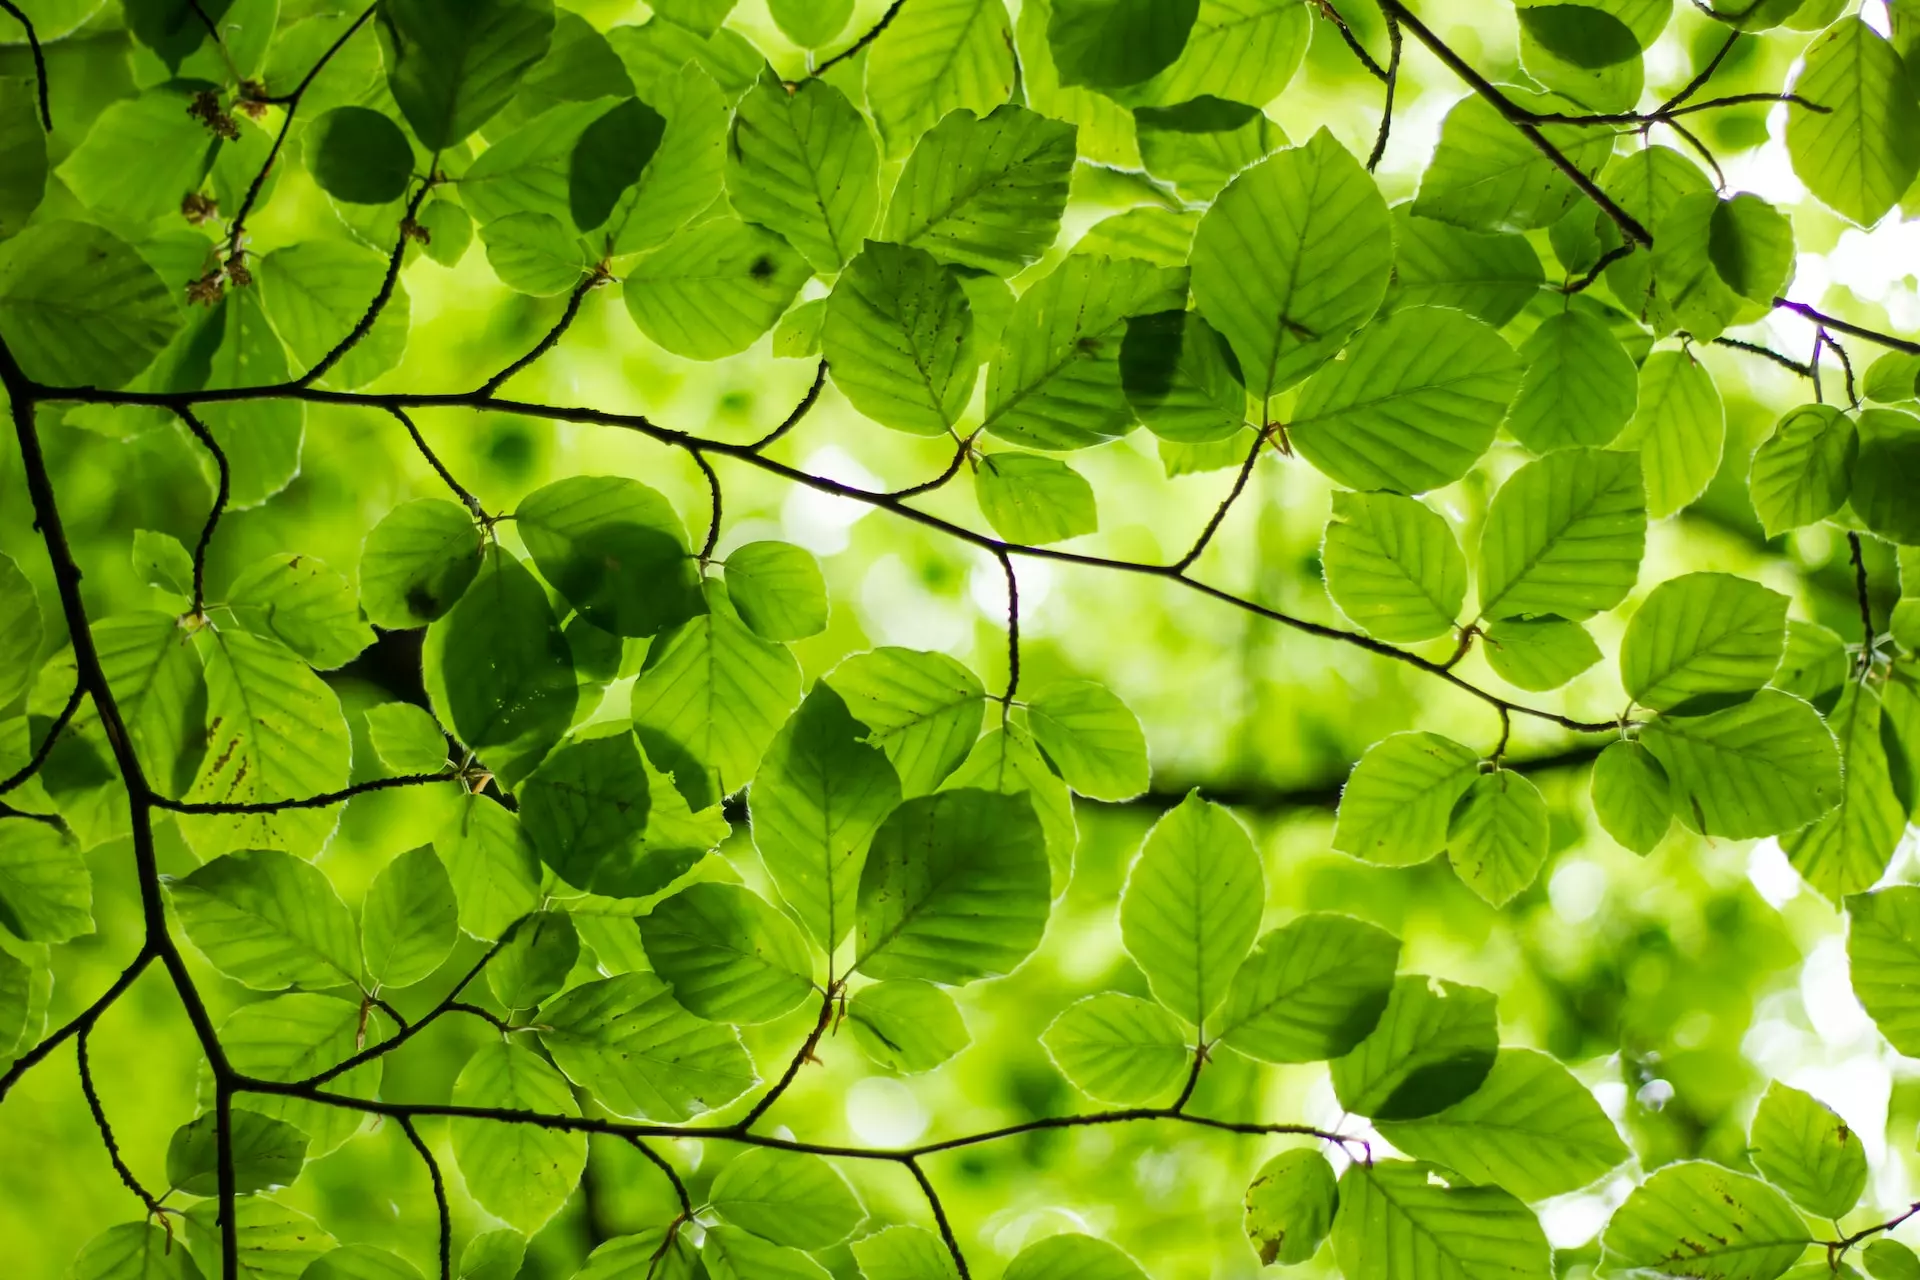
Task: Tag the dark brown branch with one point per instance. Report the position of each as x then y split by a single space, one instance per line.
1394 44
1605 260
460 491
1013 632
439 1196
1226 504
303 802
952 469
1331 14
553 335
714 500
1863 592
228 1191
1888 341
39 60
800 410
45 749
1705 74
872 33
672 1175
221 494
940 1218
106 1130
1753 348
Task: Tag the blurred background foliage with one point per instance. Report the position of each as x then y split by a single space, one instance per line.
1676 985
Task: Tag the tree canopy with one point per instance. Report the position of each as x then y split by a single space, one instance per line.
1061 639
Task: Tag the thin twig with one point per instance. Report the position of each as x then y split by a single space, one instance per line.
221 494
1226 504
301 802
106 1130
39 60
1394 43
460 491
800 1059
365 324
940 1218
1331 14
439 1196
1013 632
800 410
79 1023
553 335
872 33
1753 348
952 469
672 1175
1863 591
713 502
19 776
1605 260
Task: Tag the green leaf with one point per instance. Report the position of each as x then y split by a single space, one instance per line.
492 866
417 563
406 738
810 23
1492 276
158 558
46 892
1848 848
1564 535
101 335
1056 382
1887 471
898 336
714 691
1119 1049
983 192
360 156
778 590
275 731
1071 1256
23 172
1763 767
134 1251
1803 471
609 158
1679 428
1412 405
1393 566
1180 377
316 292
732 1254
1530 1128
1699 635
410 921
955 888
1160 236
265 1153
1487 176
1200 145
534 253
1032 499
150 664
1699 1219
652 1252
727 954
1395 805
360 1262
1107 44
22 628
452 65
532 169
615 550
143 156
1497 836
821 792
1632 796
1290 1207
1311 990
797 336
1861 153
1006 760
1292 258
703 16
1092 738
17 1001
1191 906
502 668
587 810
937 57
535 961
903 1253
1434 1045
275 1242
714 288
269 920
1890 1260
303 604
520 1173
907 1025
805 164
291 1037
790 1198
1580 384
1815 664
1539 653
924 710
1585 36
1892 379
1751 247
1400 1220
688 172
1799 1145
640 1053
1883 961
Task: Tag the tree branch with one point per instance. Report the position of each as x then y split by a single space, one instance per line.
39 60
45 749
552 339
800 410
439 1196
106 1130
81 1022
460 491
380 299
872 33
939 1217
800 1059
221 494
1394 44
303 802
